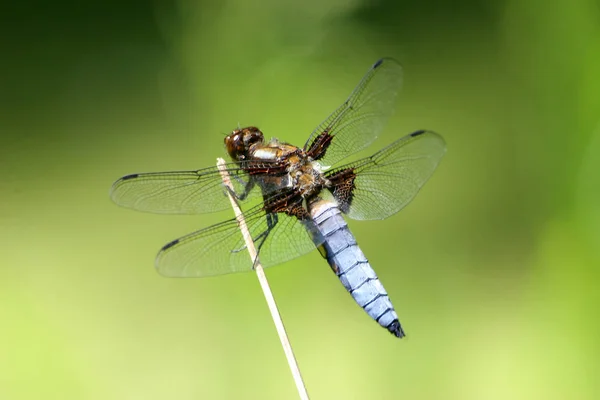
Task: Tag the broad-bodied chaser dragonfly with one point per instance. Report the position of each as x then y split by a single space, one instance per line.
302 194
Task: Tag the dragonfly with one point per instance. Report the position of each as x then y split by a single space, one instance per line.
297 197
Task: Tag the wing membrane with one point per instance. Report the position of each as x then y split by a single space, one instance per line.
388 180
360 119
179 192
220 249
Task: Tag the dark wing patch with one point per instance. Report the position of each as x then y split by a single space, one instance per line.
388 180
360 119
342 187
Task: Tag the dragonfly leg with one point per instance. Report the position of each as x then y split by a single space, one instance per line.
272 220
248 186
259 237
259 240
240 180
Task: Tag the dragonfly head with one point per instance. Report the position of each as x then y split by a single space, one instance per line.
239 141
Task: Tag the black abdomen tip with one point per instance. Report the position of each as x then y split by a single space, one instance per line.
378 63
396 329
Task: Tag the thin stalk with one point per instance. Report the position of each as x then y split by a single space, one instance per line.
264 284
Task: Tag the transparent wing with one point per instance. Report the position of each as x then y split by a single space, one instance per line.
388 180
360 119
220 249
179 192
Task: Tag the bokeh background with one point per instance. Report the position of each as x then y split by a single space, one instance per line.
494 268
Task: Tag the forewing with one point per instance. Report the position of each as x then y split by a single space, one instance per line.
220 249
360 119
179 192
388 180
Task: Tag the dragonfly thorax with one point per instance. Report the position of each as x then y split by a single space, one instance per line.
307 179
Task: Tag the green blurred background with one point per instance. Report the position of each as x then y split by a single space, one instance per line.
493 268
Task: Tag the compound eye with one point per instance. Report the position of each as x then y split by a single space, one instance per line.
234 144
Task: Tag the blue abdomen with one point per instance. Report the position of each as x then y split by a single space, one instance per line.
352 267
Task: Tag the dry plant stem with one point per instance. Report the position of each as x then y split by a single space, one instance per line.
264 284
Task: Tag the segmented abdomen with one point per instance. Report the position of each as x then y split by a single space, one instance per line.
352 267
